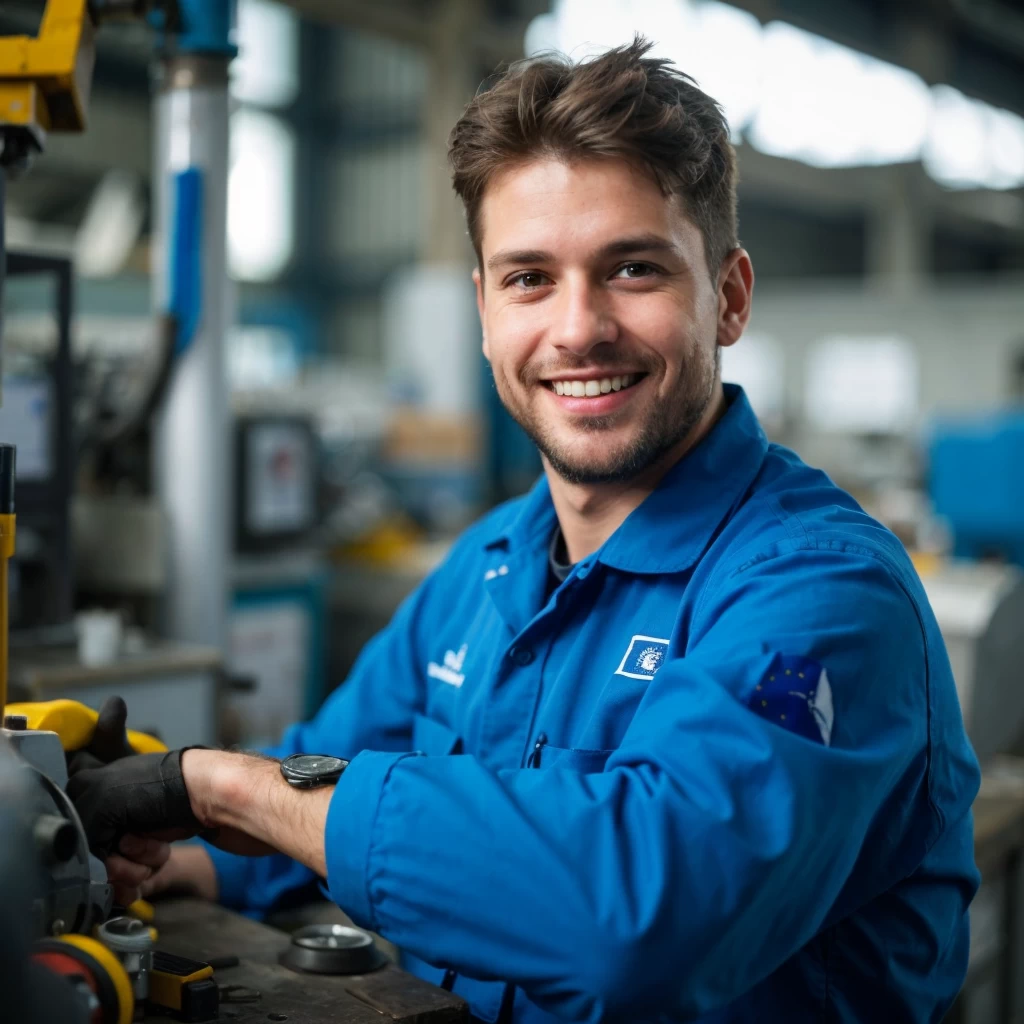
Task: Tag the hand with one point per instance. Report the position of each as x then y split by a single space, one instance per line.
183 867
137 861
144 793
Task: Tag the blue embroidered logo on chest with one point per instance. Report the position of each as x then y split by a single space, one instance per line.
796 695
643 657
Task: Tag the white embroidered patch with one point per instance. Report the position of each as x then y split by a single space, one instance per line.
643 657
451 671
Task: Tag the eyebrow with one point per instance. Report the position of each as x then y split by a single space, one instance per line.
620 247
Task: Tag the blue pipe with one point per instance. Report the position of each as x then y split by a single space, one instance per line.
204 27
185 264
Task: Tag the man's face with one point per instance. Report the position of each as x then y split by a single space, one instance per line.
600 318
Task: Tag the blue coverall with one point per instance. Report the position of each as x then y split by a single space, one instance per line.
719 774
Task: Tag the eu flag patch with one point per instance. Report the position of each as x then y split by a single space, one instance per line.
795 694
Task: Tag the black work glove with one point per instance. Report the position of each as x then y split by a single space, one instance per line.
139 794
109 739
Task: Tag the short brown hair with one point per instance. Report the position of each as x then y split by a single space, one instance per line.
621 104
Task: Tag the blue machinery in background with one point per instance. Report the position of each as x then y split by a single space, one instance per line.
977 484
197 26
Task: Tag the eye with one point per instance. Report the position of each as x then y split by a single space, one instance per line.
634 271
528 279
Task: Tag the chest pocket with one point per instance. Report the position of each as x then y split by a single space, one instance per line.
432 737
586 762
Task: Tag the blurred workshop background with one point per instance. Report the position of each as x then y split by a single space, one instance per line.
216 540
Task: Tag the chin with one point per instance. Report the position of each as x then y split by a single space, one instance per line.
608 464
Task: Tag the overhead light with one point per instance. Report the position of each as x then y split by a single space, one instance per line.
973 145
797 95
830 106
266 70
732 76
260 195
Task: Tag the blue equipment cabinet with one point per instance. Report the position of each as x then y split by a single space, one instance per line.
977 483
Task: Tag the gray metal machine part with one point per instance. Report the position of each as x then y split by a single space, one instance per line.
980 610
76 894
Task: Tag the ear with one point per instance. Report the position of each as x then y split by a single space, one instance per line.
479 285
735 292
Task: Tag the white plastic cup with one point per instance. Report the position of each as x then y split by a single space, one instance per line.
99 637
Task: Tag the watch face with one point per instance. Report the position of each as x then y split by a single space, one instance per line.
313 766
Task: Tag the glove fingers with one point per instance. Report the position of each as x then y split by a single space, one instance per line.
110 740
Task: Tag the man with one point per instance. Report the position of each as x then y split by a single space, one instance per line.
712 764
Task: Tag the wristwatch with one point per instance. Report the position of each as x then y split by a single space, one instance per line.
306 771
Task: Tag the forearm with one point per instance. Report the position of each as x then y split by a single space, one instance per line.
242 793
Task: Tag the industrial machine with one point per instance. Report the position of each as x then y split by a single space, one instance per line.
977 486
36 417
67 887
61 886
980 610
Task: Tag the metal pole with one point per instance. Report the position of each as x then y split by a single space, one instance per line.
193 463
3 249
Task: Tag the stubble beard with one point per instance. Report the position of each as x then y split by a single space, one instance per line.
667 422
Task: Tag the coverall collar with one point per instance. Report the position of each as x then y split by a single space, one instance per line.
670 529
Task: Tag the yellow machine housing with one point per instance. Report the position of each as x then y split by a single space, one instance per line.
44 81
74 723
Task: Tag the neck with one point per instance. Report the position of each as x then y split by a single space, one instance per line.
589 514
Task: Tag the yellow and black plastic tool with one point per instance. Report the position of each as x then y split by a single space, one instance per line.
74 723
183 987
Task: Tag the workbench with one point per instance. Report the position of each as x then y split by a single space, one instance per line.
990 993
202 930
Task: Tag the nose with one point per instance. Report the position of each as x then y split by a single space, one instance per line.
580 318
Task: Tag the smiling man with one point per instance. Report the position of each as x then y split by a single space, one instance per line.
711 764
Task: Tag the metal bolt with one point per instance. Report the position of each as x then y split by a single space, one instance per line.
58 927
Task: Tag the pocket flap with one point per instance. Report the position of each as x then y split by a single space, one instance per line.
433 737
577 760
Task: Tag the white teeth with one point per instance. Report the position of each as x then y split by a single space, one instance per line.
592 388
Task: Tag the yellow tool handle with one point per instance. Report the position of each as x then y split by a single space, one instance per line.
74 723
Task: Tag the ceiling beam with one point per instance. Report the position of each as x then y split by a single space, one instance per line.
494 43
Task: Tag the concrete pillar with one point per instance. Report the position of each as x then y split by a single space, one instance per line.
899 235
452 80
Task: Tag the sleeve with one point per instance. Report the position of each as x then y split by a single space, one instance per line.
372 710
648 888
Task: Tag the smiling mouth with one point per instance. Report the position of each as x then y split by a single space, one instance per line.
594 388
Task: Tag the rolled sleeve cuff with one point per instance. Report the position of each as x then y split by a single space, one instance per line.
349 836
232 875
